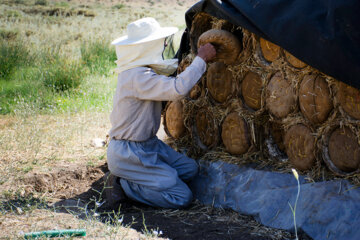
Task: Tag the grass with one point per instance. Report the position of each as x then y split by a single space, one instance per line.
98 56
62 4
12 56
41 2
61 75
118 6
8 34
49 81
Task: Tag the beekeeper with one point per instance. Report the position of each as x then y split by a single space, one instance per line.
142 167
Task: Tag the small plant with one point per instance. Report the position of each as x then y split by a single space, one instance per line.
41 2
8 34
98 57
12 14
62 75
293 209
63 4
19 1
119 6
152 232
12 56
18 204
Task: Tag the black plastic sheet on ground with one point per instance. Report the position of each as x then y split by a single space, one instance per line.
325 210
324 34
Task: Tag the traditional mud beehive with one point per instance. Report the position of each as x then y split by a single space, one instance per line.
280 96
315 99
258 103
251 90
174 119
299 142
236 134
219 82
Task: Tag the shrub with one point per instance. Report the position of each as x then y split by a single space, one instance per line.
62 4
41 2
119 6
61 74
12 56
8 34
12 14
98 56
19 1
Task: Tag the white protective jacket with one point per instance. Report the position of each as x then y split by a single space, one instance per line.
136 113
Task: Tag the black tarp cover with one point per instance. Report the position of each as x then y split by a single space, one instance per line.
322 33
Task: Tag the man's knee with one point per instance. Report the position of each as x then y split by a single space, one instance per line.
166 183
180 200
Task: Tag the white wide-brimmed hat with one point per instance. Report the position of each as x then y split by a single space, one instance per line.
144 30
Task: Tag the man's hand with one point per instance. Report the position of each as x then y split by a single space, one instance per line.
207 52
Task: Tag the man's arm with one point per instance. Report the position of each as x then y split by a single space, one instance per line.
151 86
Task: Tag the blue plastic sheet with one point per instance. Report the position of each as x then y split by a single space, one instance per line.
325 210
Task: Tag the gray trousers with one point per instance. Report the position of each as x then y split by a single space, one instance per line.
151 172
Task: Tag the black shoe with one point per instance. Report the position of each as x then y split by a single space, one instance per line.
114 193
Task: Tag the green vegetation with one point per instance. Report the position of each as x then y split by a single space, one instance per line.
97 56
12 14
17 204
8 34
119 6
62 4
47 80
61 75
12 56
41 2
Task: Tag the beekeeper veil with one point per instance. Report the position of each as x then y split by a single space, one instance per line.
143 46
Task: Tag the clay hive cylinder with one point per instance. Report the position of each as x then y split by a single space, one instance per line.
300 146
349 99
280 96
344 150
174 119
293 60
219 81
251 89
195 92
235 134
315 99
206 130
227 46
269 50
200 24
